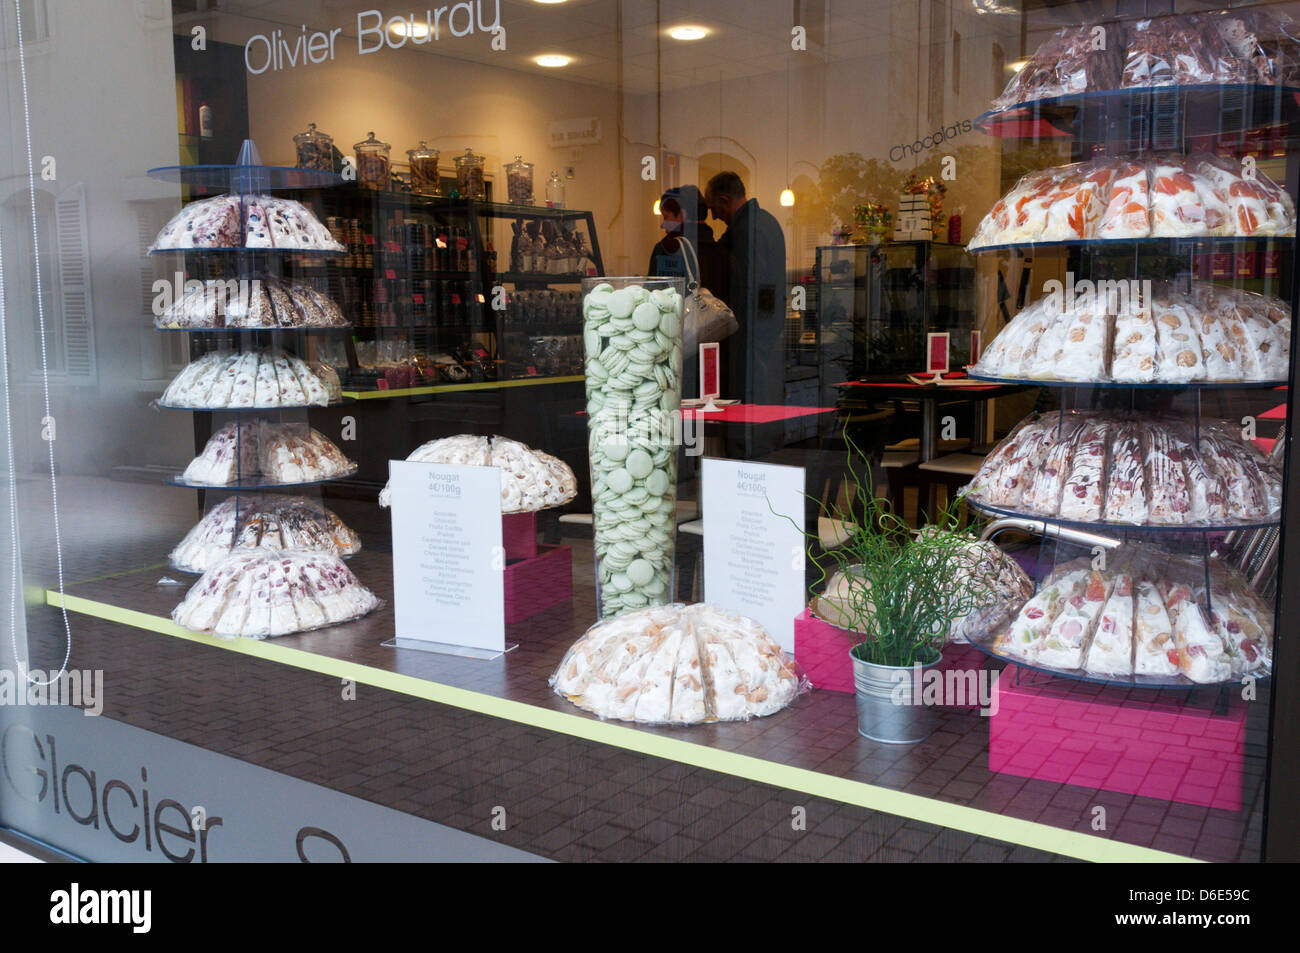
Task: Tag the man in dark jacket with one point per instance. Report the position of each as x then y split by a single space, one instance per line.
753 357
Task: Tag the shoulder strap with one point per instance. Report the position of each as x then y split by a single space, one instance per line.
692 264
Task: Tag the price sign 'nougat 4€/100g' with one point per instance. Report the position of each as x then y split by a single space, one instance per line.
632 333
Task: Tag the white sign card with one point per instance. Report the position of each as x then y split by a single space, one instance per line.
448 560
753 554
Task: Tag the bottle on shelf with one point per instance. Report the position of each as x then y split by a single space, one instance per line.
555 190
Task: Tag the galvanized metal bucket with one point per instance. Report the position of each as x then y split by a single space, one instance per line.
890 709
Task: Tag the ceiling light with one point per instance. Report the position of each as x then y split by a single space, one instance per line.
787 197
548 1
687 32
416 30
657 212
1017 66
552 60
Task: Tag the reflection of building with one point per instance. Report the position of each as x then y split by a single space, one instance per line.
81 69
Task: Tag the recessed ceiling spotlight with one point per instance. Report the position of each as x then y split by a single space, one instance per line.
548 1
688 32
415 30
552 60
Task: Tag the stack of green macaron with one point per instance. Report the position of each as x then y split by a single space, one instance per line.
633 339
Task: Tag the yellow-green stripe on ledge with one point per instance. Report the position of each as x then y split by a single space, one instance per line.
971 820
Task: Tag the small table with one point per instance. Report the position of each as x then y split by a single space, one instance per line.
747 415
930 395
752 413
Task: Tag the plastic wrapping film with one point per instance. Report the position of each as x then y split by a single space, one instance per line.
530 479
270 522
1109 333
256 221
1067 63
678 664
1232 46
261 302
1149 196
1146 613
256 594
980 564
1178 51
1139 470
1268 43
259 379
241 452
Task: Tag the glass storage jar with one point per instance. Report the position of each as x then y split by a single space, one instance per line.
632 335
555 190
372 163
424 169
519 181
469 176
315 149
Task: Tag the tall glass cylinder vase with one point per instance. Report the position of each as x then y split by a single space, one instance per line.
632 332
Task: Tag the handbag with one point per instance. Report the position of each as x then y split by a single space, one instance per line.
706 319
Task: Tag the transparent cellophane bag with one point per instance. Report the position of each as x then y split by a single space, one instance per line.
678 664
1144 609
1178 51
256 594
996 585
1122 469
1073 60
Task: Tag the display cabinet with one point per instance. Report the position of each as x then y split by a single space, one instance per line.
448 291
877 303
1163 249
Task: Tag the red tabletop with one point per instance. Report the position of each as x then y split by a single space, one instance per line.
753 413
936 388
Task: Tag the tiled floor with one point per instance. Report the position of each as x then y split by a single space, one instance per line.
566 797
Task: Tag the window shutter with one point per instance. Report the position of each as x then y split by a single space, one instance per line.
74 287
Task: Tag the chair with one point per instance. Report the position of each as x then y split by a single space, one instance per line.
953 470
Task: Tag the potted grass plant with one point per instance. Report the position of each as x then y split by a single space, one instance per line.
897 595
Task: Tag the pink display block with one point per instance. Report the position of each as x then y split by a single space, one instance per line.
532 585
822 650
1130 741
519 535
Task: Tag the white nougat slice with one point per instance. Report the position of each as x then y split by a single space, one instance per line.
1201 653
232 619
725 692
1030 627
688 682
1136 357
1154 651
268 387
1111 652
654 701
1066 643
309 611
628 690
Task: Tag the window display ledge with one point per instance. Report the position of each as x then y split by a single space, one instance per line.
333 652
451 388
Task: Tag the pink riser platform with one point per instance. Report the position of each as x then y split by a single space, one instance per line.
532 585
1116 739
519 535
822 650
